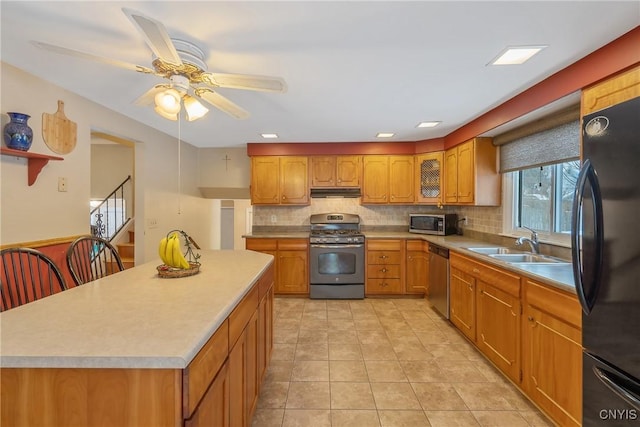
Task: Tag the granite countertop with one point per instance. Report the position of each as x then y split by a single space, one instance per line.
133 319
561 278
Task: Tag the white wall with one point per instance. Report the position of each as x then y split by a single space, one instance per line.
40 212
214 171
110 165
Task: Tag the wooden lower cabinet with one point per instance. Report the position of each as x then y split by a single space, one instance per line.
243 375
552 352
385 267
291 263
462 301
417 268
214 407
498 327
530 331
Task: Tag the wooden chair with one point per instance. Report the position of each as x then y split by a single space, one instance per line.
90 258
27 275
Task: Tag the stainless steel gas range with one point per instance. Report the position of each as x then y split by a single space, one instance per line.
336 257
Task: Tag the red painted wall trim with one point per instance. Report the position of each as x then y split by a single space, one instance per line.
329 148
617 56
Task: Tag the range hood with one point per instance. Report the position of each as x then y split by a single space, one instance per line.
337 192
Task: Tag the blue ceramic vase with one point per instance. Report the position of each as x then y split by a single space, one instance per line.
17 133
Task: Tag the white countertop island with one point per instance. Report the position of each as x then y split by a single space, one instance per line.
133 319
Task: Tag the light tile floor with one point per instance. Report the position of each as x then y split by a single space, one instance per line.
382 363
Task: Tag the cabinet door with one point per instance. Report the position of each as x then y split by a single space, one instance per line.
293 272
417 272
451 175
265 180
294 180
552 353
348 171
463 302
428 179
615 90
323 171
375 179
238 378
401 179
466 172
213 409
251 362
265 333
498 328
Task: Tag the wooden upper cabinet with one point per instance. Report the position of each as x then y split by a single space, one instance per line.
429 177
471 174
620 88
348 171
375 179
265 180
387 179
279 180
335 171
401 179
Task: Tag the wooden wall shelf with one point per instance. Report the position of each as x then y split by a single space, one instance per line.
35 161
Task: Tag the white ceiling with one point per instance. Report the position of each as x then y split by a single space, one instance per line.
353 68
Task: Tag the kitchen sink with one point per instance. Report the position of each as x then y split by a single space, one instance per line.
493 250
524 257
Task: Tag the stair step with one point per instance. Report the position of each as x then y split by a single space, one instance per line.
132 236
126 250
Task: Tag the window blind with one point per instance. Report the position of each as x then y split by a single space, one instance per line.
556 145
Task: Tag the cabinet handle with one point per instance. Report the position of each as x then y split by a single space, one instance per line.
339 181
283 197
481 292
384 284
475 270
384 270
383 257
531 319
470 287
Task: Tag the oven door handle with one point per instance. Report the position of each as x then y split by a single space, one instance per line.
336 246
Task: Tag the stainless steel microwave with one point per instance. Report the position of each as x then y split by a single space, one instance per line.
439 224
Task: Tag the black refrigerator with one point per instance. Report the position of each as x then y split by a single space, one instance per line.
606 264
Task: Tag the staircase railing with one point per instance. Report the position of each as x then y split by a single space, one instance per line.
113 213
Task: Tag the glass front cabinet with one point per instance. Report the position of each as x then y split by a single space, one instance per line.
429 178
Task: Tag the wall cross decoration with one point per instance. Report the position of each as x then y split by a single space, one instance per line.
226 162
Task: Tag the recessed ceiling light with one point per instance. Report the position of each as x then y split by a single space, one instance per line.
428 124
516 55
269 135
385 135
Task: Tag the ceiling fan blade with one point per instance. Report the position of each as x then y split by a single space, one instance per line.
91 57
246 81
156 36
221 103
149 96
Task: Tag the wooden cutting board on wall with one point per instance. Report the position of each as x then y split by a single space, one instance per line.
58 132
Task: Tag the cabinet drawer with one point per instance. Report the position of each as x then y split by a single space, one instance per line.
203 368
266 281
417 245
261 244
293 244
384 245
240 316
559 304
384 286
503 280
383 257
383 271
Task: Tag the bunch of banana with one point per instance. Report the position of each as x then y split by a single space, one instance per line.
170 252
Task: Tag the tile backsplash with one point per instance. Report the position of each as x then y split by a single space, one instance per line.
481 219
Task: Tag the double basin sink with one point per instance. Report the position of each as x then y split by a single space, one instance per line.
544 265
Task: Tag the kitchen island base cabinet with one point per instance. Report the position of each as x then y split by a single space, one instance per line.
218 388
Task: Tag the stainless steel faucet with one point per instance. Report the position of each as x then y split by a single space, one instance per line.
533 241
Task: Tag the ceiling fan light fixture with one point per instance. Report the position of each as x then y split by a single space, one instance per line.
166 115
168 101
194 109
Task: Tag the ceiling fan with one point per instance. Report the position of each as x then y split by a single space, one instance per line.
182 63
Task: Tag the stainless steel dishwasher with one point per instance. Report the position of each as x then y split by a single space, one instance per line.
439 279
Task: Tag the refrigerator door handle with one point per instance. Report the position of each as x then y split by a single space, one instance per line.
613 382
587 294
